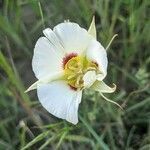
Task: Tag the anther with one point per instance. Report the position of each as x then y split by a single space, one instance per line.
71 76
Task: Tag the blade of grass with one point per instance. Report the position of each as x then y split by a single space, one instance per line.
61 139
15 80
35 140
130 136
138 105
95 135
41 14
47 142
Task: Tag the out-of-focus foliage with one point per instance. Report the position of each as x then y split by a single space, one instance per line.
24 124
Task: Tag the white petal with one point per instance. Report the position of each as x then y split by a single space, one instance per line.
89 78
60 100
92 28
74 38
46 59
54 40
97 53
46 79
101 87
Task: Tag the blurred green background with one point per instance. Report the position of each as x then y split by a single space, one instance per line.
24 124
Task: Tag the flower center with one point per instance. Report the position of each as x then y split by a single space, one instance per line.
75 69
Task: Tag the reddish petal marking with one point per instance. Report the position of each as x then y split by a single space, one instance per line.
73 88
95 63
67 58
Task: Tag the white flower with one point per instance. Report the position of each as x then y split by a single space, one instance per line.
66 61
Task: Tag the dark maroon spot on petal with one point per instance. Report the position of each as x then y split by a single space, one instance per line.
67 58
95 63
73 88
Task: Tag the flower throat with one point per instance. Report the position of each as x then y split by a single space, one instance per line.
75 68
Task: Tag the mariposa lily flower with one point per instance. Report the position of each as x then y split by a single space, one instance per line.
66 61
